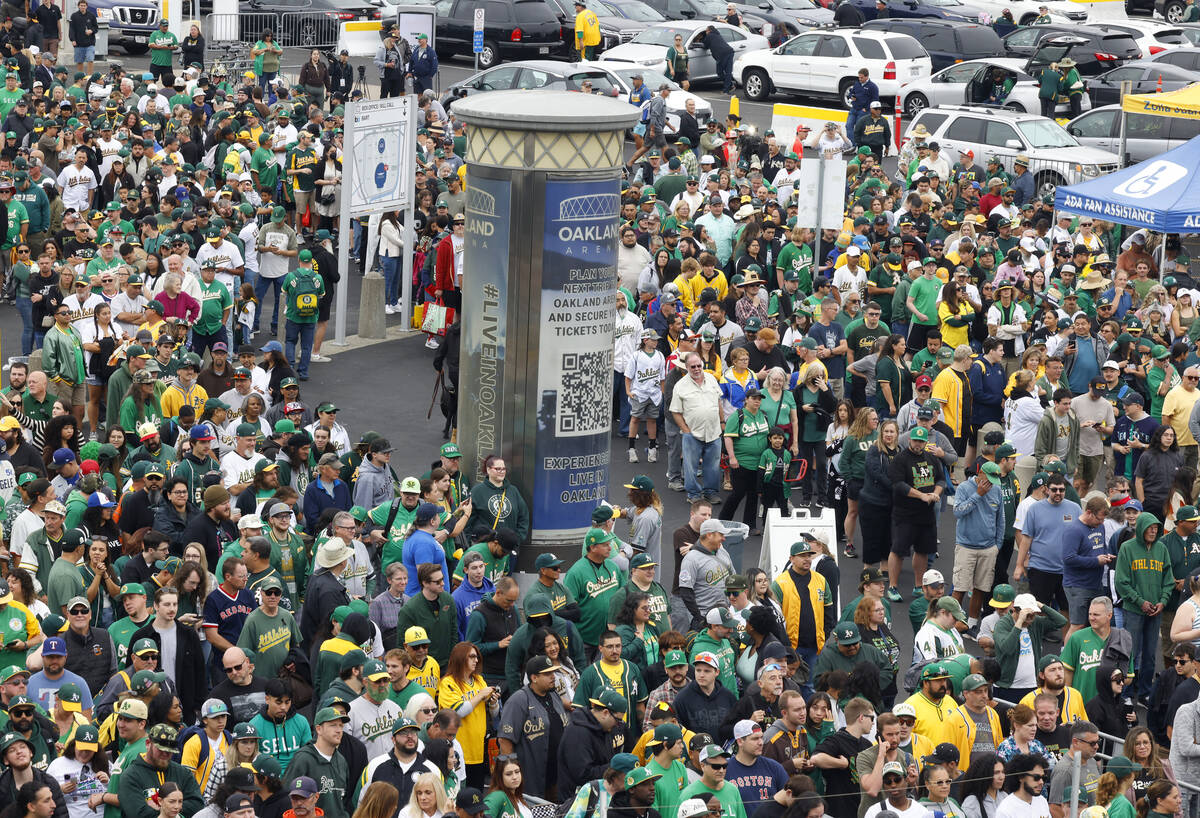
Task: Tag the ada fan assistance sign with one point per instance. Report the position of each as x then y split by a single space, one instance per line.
380 154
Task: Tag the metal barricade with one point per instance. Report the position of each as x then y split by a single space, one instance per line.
310 29
246 27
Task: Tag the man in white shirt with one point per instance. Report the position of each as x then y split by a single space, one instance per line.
895 785
284 134
1026 801
372 714
77 183
82 303
108 147
851 276
128 306
786 178
237 465
626 334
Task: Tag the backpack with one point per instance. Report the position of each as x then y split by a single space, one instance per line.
205 747
306 297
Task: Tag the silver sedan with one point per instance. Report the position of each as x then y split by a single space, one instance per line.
972 83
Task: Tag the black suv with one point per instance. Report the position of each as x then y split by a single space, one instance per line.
947 41
1102 51
512 29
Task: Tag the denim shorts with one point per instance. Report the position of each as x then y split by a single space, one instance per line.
86 53
1078 602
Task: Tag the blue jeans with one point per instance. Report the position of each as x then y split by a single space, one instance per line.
621 401
1144 630
260 291
391 278
304 333
809 655
697 456
851 120
25 308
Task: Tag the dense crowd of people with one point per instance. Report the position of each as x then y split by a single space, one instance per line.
222 602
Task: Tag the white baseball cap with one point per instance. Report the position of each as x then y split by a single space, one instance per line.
1026 601
744 728
932 577
691 808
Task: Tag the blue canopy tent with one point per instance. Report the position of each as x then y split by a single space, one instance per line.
1161 194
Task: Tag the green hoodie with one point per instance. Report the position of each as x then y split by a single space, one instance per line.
139 781
331 775
1143 572
489 511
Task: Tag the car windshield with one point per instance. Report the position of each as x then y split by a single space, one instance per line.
942 3
796 5
652 78
1045 133
713 9
635 10
662 35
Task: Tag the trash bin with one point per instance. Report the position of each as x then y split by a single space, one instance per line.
102 39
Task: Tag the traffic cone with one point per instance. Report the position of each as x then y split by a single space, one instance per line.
735 105
1158 89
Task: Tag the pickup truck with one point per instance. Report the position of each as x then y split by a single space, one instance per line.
130 22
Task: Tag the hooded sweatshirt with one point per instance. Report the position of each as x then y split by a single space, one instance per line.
514 660
139 780
584 750
467 598
281 738
331 774
1106 710
493 507
373 486
704 712
1143 572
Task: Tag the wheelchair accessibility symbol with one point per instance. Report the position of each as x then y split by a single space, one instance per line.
1152 181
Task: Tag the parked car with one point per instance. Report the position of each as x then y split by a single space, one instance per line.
1171 10
1145 137
1102 51
1186 57
776 26
614 29
634 10
1026 11
1055 156
1152 36
946 41
607 80
1143 78
805 12
689 9
970 83
937 9
130 22
827 62
649 48
512 29
318 26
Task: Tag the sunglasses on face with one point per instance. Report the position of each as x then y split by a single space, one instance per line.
235 668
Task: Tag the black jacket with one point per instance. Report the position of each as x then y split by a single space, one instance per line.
8 792
751 701
212 535
355 753
716 45
92 656
702 713
497 624
190 672
273 807
620 807
848 15
26 459
81 23
323 593
172 524
389 770
341 78
584 752
1105 710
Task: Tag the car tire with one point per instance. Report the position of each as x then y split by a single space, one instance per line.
490 55
914 104
756 84
1047 182
1173 11
136 50
844 88
1015 106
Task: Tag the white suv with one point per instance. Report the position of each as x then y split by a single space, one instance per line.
1055 157
825 62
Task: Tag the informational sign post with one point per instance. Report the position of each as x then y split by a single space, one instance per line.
377 177
477 36
578 287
